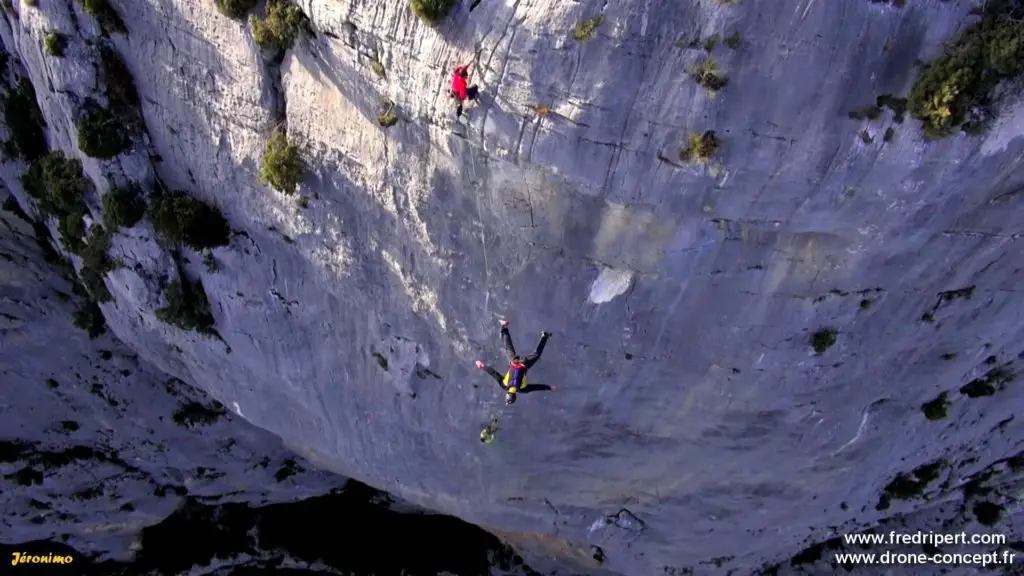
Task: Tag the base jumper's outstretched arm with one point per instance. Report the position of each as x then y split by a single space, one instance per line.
498 376
506 341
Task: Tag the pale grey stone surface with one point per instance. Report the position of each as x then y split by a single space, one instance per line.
682 299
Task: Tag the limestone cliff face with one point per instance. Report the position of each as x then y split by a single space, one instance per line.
94 443
693 425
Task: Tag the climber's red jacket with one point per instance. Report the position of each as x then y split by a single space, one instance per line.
459 82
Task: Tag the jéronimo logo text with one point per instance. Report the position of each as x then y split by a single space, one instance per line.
26 558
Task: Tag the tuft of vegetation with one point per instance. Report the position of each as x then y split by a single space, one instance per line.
928 317
377 68
288 469
948 355
387 118
913 485
382 360
936 409
53 43
123 207
59 187
890 133
700 148
101 134
866 137
431 11
282 167
734 40
110 21
955 89
25 122
993 381
709 76
187 307
180 218
823 339
278 29
96 262
710 42
237 9
587 29
988 513
90 318
865 304
194 414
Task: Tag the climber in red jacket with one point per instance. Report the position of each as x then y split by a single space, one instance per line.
460 90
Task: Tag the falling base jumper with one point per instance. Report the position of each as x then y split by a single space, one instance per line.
513 382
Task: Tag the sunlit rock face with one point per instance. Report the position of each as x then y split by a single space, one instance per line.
745 337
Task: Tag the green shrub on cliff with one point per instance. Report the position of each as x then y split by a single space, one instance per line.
108 18
955 89
278 29
180 218
700 147
237 9
123 207
431 11
96 262
59 188
282 167
53 43
101 133
187 307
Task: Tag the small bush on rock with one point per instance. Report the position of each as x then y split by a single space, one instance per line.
180 218
587 29
237 9
108 18
96 262
54 44
278 29
387 118
700 147
123 207
90 318
282 167
25 122
431 11
187 307
709 76
72 230
57 182
955 90
101 134
823 339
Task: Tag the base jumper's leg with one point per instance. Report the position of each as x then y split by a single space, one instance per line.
506 341
532 358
